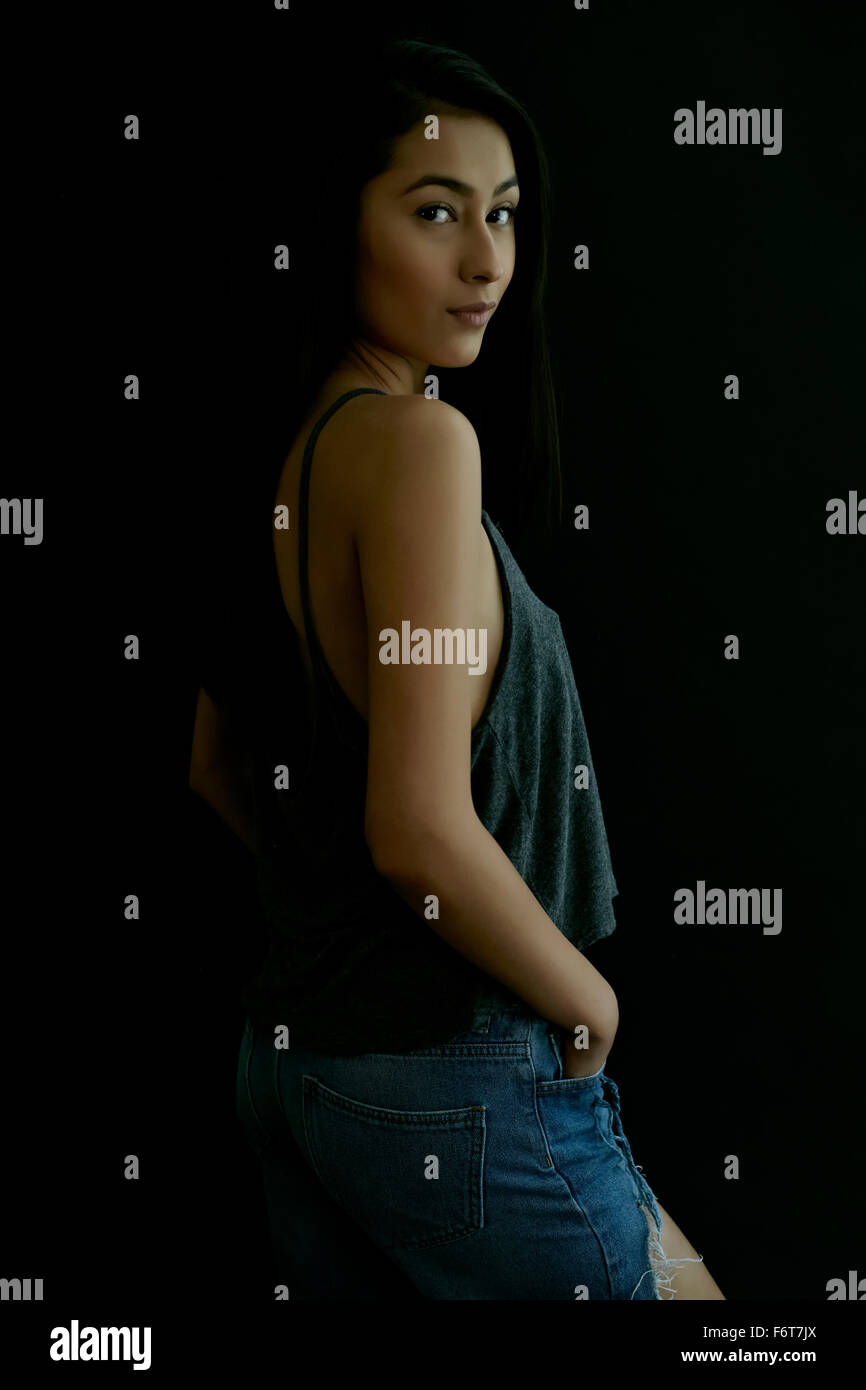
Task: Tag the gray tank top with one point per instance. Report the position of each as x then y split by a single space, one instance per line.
350 967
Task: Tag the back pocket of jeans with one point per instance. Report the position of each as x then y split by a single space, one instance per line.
410 1178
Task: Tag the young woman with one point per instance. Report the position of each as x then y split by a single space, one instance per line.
422 1071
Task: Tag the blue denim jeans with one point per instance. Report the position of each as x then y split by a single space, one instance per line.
469 1170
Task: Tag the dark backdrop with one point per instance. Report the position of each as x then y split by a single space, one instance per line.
707 517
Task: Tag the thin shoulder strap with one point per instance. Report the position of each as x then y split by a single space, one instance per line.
317 656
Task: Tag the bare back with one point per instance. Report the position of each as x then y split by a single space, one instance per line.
337 497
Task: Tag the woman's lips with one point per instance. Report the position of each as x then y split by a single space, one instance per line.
475 319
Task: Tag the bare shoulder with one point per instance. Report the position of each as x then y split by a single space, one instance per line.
396 419
416 412
412 446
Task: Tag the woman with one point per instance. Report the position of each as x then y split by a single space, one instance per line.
423 1068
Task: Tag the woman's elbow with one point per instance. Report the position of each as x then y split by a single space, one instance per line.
407 846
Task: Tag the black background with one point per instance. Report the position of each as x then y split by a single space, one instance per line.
707 518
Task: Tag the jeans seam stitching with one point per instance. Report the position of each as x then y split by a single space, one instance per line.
264 1133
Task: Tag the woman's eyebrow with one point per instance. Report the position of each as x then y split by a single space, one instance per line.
464 189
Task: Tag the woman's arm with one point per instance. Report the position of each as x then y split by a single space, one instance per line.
226 790
488 913
418 548
210 736
218 774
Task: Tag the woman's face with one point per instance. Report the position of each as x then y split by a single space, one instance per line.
432 248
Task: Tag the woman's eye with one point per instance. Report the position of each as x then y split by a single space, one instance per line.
438 207
443 207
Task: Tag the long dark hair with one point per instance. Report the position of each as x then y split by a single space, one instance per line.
508 392
369 98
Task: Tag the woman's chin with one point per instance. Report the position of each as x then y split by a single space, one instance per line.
458 357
